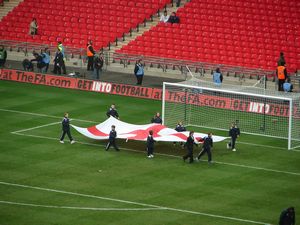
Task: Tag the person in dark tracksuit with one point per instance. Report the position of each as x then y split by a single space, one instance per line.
112 111
180 128
156 118
66 129
190 142
234 133
287 217
112 138
150 145
206 148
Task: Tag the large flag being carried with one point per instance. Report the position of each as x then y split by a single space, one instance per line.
138 132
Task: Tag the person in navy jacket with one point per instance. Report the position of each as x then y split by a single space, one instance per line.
150 144
112 139
190 142
112 112
156 119
66 129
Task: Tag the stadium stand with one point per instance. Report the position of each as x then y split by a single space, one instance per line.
248 33
74 22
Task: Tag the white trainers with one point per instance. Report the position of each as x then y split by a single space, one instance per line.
62 142
234 150
152 156
227 146
149 156
72 142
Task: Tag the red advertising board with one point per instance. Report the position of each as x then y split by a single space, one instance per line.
147 92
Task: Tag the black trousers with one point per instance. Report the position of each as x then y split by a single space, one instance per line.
232 142
139 79
90 65
2 62
57 69
205 150
150 151
64 133
189 155
112 142
280 85
63 66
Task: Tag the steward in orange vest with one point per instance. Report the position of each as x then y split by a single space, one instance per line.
281 75
90 55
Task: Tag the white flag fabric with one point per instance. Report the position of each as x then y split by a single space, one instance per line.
139 132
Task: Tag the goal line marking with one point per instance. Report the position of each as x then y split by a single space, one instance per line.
167 155
78 208
132 203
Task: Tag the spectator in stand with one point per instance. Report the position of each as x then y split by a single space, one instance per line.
281 60
33 27
46 59
27 65
139 72
217 77
173 18
58 62
178 3
281 75
62 50
165 17
98 64
39 60
287 86
90 55
3 56
156 118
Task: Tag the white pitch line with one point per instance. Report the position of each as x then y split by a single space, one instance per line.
80 208
44 115
259 145
37 127
167 155
133 203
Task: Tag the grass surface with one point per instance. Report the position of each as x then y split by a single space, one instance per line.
250 186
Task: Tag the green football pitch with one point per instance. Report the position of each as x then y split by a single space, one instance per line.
45 182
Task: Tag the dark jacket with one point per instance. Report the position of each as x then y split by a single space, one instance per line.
190 142
207 143
98 63
150 141
59 59
112 135
180 128
234 132
112 112
287 217
156 120
65 124
173 19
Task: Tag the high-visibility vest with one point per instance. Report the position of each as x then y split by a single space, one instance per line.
88 51
280 72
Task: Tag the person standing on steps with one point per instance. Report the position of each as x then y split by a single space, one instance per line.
66 129
139 72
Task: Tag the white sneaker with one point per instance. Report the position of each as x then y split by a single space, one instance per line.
152 156
149 156
234 150
72 142
227 146
62 142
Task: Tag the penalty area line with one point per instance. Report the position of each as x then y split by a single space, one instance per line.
37 127
134 203
78 208
169 155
